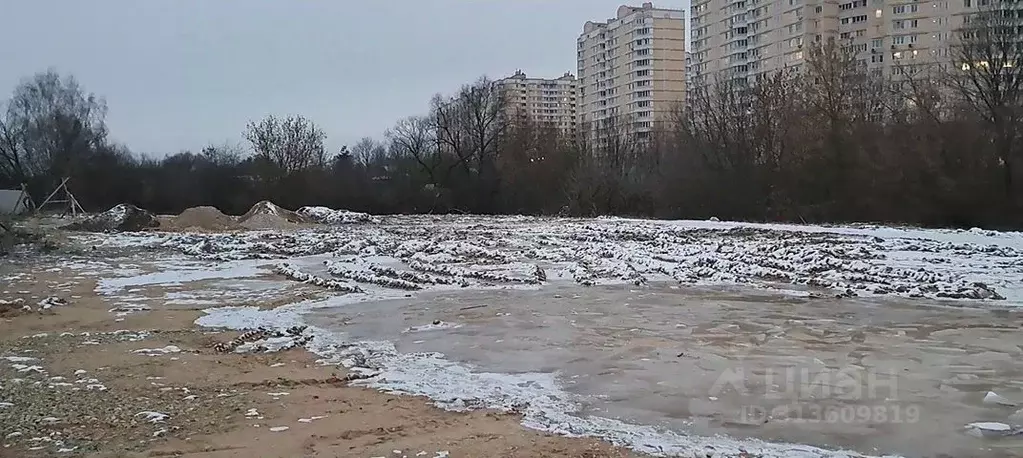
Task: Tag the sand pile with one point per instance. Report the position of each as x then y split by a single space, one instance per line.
267 215
204 218
122 217
267 222
325 215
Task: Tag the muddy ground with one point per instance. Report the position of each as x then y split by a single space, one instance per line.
75 383
607 328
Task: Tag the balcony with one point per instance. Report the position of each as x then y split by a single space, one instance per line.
644 63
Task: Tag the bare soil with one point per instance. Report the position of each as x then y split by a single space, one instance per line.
201 218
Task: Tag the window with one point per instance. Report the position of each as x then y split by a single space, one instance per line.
818 9
643 103
642 72
903 39
907 24
643 31
645 83
642 52
877 43
641 94
642 62
877 13
861 32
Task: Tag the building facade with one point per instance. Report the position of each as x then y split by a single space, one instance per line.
631 70
737 40
546 102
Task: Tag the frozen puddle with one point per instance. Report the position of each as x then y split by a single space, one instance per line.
875 376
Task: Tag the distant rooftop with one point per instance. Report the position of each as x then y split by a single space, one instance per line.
520 75
623 11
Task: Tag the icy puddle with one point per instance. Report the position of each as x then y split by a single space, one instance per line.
879 376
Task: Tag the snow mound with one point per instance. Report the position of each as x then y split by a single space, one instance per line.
120 218
267 215
325 215
266 207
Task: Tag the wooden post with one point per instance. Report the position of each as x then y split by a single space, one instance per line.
63 183
26 198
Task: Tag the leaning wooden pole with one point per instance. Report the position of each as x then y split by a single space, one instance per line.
63 185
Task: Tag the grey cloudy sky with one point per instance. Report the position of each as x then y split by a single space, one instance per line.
179 74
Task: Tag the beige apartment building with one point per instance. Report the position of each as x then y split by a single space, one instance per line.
631 69
548 102
737 40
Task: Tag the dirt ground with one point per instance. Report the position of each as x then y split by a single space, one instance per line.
75 383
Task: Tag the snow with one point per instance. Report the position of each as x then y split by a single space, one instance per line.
424 253
325 215
992 398
153 417
158 351
19 359
176 275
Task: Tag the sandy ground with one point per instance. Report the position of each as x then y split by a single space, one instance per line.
87 391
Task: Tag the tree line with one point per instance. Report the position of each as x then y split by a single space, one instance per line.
936 145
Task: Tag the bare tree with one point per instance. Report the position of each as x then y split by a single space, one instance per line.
533 162
49 127
468 128
226 154
290 144
414 137
988 77
367 151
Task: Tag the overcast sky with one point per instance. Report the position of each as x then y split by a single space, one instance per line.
179 74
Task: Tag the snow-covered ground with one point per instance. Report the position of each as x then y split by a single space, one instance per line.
404 257
470 251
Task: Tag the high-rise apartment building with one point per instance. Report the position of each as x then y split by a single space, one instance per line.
547 102
737 40
631 69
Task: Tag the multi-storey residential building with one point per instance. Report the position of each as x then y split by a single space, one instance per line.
548 102
631 69
737 40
